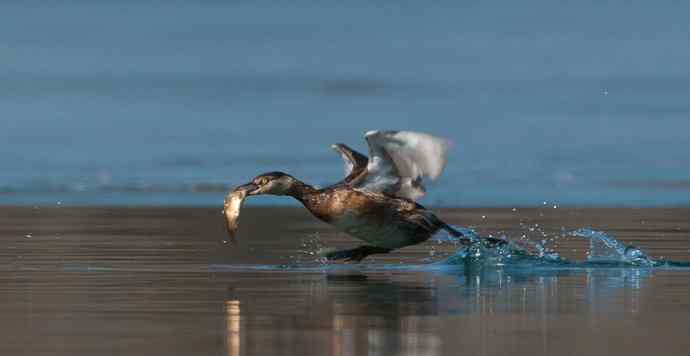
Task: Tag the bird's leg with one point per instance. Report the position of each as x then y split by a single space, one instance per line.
356 254
490 242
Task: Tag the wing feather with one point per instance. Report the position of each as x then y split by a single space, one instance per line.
355 162
399 160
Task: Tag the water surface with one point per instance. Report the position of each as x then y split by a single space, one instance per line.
160 281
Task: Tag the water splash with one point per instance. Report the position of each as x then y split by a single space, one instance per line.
603 250
606 249
311 252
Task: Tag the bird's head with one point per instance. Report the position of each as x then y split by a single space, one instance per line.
274 183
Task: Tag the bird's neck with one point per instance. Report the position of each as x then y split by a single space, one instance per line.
300 190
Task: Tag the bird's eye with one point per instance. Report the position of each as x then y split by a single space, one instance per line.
263 180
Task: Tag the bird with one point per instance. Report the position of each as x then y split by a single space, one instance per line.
376 201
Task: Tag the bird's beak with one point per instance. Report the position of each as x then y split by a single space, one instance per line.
250 188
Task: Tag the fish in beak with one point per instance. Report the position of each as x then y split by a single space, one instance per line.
233 204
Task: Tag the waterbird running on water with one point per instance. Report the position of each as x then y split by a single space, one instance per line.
375 202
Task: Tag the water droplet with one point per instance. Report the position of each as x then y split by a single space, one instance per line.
544 202
28 236
59 203
225 242
555 206
632 252
514 209
483 216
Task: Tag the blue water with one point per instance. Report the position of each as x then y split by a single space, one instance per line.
171 103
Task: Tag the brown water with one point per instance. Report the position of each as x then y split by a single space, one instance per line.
160 281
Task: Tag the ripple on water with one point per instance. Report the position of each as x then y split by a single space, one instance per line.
604 251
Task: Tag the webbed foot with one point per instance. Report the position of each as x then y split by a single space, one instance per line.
488 242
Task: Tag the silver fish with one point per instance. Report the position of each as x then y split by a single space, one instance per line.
231 209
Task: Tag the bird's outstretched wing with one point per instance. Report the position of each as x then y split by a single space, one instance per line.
399 160
355 162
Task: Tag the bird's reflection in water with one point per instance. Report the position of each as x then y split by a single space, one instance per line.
382 316
386 313
338 314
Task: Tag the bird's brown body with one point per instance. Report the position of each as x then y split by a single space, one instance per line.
376 218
